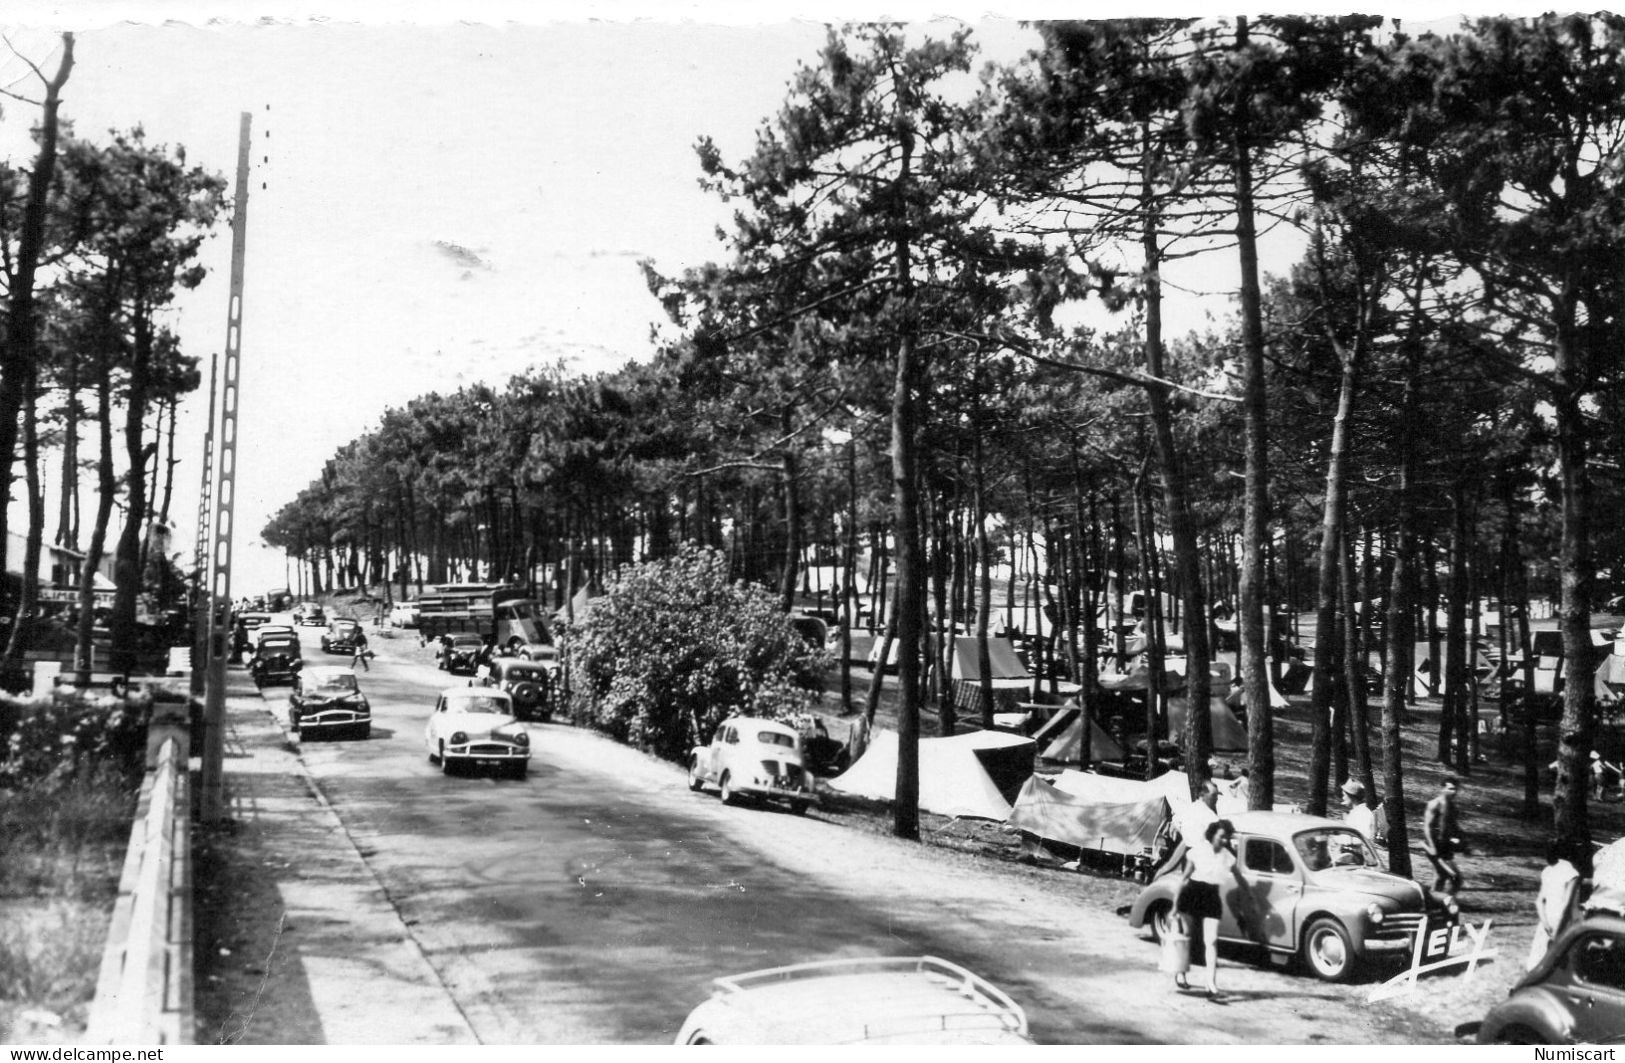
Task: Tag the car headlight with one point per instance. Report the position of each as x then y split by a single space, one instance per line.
459 737
521 739
1451 906
1375 913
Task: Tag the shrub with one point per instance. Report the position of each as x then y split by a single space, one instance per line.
63 733
673 647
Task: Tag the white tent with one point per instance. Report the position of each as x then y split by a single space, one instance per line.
953 780
1092 812
1062 739
1229 736
1005 668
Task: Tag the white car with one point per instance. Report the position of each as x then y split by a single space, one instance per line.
754 757
912 1000
404 614
476 725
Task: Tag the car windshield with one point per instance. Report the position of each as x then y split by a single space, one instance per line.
517 671
465 644
775 738
277 645
478 704
342 683
1334 847
345 625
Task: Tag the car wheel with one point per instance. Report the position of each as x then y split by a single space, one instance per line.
366 731
432 758
1161 921
519 771
293 724
798 807
729 797
1327 950
1519 1035
695 782
445 762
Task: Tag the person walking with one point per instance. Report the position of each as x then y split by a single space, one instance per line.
1209 866
1441 837
358 648
1360 815
1556 902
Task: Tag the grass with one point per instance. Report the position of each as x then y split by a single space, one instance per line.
63 839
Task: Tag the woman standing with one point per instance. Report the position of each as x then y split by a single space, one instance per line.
1210 864
1556 903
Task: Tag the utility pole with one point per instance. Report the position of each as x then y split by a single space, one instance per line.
202 558
214 705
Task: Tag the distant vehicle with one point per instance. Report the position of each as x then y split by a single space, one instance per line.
278 600
265 631
879 1000
476 725
404 614
1575 995
460 653
328 700
751 757
310 615
341 635
530 683
498 609
252 620
276 660
1318 890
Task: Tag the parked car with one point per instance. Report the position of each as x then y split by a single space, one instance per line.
328 700
1576 994
281 631
1315 888
529 683
403 614
756 758
476 725
310 615
253 620
912 1000
460 653
276 660
341 635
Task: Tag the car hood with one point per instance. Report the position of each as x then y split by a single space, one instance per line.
477 722
1374 882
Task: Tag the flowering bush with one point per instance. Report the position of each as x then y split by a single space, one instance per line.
63 734
673 647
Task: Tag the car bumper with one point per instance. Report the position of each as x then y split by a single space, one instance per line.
333 720
1398 937
776 792
487 753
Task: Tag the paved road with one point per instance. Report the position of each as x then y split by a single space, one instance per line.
593 901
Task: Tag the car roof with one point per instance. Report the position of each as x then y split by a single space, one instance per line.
899 1000
341 621
1281 824
759 721
278 640
468 691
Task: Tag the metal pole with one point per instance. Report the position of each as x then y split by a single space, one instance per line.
214 706
202 558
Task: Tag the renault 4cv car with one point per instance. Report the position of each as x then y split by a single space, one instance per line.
276 660
341 635
1576 994
751 757
328 700
1313 888
476 726
530 683
903 1000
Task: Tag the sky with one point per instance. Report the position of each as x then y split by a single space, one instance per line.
433 203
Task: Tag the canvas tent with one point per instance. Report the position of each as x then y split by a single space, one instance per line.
1608 681
1088 811
1426 667
1005 668
1061 739
974 775
1229 736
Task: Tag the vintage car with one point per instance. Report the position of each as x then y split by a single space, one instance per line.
530 683
1575 994
403 614
253 620
282 631
310 615
327 700
459 653
341 635
904 1000
476 725
1315 888
276 660
756 758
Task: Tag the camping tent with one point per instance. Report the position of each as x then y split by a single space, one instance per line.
1426 667
1229 736
1062 739
959 776
1005 668
1608 681
1092 812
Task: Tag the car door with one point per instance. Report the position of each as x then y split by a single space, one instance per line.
716 753
1263 907
1596 990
